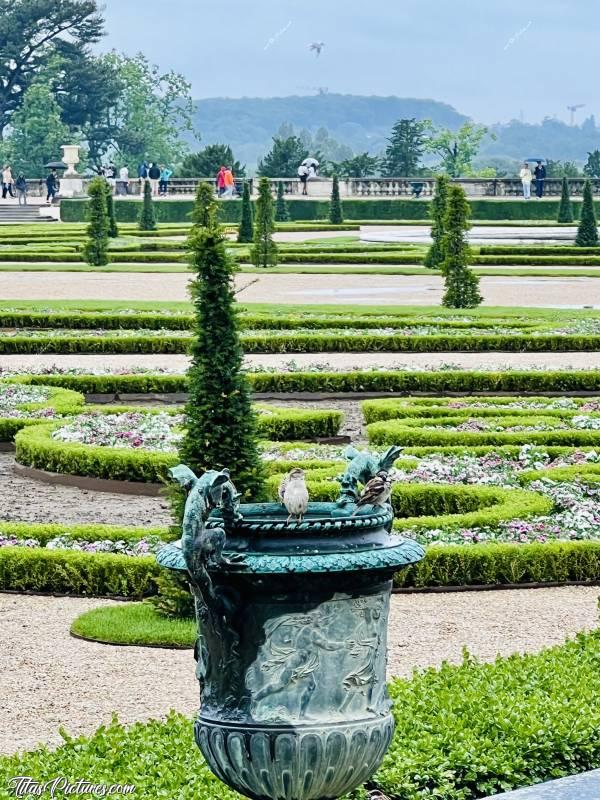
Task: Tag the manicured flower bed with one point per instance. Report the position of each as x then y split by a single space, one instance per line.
158 432
140 547
25 405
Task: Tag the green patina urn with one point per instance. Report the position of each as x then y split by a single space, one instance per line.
292 645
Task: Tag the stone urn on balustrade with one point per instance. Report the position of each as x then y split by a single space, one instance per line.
292 644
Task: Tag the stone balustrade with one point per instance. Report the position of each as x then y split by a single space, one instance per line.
355 188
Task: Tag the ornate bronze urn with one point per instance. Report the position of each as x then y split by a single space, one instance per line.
292 644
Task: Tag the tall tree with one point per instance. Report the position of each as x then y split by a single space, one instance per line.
208 161
462 285
592 166
587 233
438 210
457 149
406 146
360 166
220 421
284 158
264 252
246 231
37 132
31 31
151 113
95 250
565 209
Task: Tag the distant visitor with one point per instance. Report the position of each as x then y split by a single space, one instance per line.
540 178
526 177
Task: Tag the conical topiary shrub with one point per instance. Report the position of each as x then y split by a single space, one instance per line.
113 230
565 209
246 231
462 285
281 209
336 212
147 221
587 233
220 420
264 252
437 210
205 206
95 250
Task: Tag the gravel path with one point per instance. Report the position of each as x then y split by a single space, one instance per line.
49 679
25 500
384 290
344 361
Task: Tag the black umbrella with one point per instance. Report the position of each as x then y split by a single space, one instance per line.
55 165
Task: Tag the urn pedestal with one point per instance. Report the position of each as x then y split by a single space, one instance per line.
292 647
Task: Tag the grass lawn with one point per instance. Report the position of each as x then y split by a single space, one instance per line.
134 624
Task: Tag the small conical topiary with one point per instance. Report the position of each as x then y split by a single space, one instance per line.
462 285
95 250
246 231
587 233
336 212
264 252
220 421
565 209
437 210
281 209
113 230
147 221
205 206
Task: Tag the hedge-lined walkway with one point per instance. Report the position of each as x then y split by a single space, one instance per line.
341 361
49 679
382 290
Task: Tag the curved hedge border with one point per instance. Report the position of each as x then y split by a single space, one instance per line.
399 382
435 505
410 432
63 401
35 447
379 410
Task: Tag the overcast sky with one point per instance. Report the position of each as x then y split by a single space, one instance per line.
492 59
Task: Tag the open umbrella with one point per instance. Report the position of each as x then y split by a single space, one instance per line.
543 160
310 162
55 165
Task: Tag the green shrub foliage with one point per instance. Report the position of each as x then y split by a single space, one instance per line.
437 211
113 230
587 233
336 213
221 424
147 221
264 252
281 210
565 209
95 250
205 205
246 231
462 285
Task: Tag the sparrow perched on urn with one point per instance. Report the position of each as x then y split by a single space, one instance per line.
294 494
377 491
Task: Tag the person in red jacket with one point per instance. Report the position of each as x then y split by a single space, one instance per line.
221 181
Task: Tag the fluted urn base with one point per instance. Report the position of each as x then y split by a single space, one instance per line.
269 762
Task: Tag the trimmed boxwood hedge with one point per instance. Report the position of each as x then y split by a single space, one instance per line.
63 401
35 446
378 410
410 432
399 382
392 209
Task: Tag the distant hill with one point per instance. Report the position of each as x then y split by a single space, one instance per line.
363 123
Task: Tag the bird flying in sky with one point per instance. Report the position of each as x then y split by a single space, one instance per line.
316 47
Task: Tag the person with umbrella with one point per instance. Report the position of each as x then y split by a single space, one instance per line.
307 170
540 178
51 186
